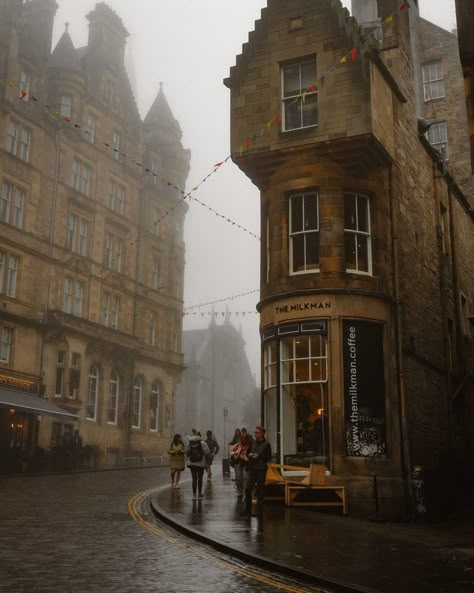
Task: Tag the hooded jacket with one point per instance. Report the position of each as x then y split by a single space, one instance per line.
205 449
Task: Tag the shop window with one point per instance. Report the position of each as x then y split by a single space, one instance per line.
137 403
357 234
92 393
114 384
155 407
299 95
270 365
304 233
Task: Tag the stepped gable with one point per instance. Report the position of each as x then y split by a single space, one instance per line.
347 24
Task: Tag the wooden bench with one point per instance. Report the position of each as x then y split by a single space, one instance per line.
312 491
275 483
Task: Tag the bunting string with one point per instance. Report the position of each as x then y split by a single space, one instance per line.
223 300
222 313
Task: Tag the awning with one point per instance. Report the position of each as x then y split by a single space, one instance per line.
22 401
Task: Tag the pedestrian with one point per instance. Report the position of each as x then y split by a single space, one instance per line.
259 455
239 455
244 431
213 447
236 438
176 451
76 449
197 453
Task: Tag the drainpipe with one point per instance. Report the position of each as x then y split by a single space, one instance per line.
405 441
51 243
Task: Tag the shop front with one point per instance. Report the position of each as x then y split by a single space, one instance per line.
21 409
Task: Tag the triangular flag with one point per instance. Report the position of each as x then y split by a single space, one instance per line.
34 99
108 145
353 53
67 119
303 96
269 124
343 60
277 118
403 5
22 95
247 143
77 126
241 149
313 88
11 84
217 165
389 19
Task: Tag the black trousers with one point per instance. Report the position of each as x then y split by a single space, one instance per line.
197 474
256 477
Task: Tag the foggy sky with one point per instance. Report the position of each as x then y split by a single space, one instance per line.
190 45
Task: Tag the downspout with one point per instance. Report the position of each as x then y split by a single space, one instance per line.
405 441
51 245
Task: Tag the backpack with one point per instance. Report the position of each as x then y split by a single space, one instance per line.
196 452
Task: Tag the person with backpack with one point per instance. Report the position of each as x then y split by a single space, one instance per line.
197 454
213 446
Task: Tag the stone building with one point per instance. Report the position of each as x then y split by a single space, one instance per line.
367 246
91 259
218 391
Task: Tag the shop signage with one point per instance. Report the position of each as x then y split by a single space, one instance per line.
307 306
364 389
20 384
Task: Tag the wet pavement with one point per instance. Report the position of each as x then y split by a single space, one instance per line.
383 557
92 532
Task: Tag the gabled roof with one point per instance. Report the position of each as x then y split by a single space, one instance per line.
64 54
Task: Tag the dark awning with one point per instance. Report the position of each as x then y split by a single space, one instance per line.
22 401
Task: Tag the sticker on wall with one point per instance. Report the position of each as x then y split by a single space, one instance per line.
364 389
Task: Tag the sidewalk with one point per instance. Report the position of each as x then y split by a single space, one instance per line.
341 553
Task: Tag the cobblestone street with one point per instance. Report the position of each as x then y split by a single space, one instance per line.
74 533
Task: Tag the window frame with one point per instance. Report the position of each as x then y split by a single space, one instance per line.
74 298
65 106
441 128
303 232
91 127
6 345
9 274
114 249
296 97
19 143
429 82
357 232
93 377
155 392
114 393
117 194
137 392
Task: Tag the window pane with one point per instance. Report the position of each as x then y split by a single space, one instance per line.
308 74
350 251
312 251
298 253
317 346
362 253
362 214
302 347
292 114
296 214
318 370
291 80
302 371
310 212
350 220
310 111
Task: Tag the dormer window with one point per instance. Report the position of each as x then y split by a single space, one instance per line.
299 95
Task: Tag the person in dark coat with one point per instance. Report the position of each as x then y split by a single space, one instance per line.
259 455
213 447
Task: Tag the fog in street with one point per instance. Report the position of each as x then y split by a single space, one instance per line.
190 45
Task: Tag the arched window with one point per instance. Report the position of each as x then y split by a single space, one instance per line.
137 403
113 397
92 393
155 407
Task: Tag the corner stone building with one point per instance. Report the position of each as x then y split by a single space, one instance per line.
367 280
91 259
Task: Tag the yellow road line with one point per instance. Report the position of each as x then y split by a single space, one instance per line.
132 504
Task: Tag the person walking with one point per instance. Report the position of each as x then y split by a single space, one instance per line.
213 447
259 455
197 453
235 441
76 449
176 451
239 455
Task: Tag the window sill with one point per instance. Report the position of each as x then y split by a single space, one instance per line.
305 272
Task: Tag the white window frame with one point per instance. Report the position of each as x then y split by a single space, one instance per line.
73 296
293 235
92 393
9 266
18 210
358 233
18 140
137 403
65 106
25 84
433 81
114 391
110 310
296 97
6 201
6 341
81 177
437 136
270 362
155 393
60 372
291 359
113 252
